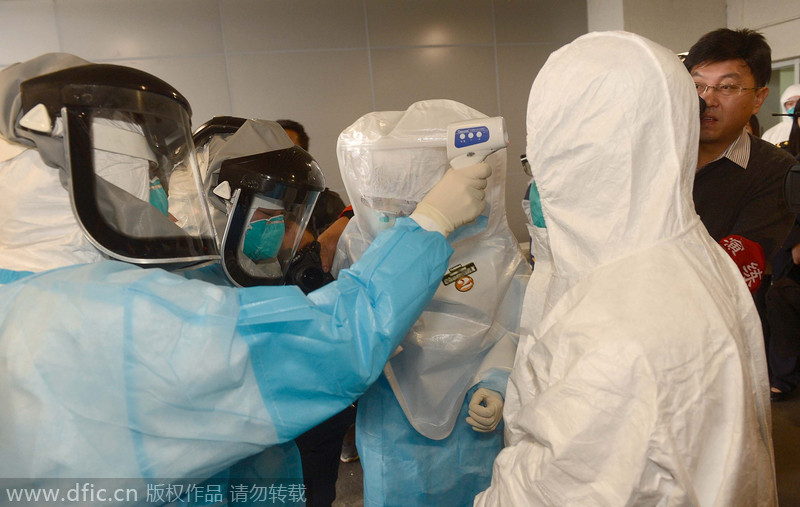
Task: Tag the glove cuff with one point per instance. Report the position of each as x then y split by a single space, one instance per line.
431 219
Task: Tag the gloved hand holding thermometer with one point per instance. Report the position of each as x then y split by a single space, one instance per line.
470 142
457 199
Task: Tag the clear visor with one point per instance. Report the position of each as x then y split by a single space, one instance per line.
263 233
390 205
135 183
385 184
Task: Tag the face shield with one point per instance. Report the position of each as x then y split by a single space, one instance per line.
389 160
390 182
262 189
123 139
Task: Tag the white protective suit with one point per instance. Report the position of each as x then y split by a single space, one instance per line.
413 419
640 376
780 132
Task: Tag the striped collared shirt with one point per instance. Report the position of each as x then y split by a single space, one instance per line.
739 151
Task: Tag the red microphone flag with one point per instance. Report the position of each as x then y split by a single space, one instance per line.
749 258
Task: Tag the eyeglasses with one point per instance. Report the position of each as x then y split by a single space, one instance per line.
726 90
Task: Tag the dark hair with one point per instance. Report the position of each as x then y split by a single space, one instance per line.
297 127
725 44
794 138
755 126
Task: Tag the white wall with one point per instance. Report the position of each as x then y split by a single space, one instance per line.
778 20
605 15
675 24
323 63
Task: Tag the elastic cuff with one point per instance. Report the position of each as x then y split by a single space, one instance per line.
431 219
427 223
347 212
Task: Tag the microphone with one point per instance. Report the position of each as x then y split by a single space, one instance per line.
749 258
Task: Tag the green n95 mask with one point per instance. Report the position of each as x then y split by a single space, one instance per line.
264 238
536 206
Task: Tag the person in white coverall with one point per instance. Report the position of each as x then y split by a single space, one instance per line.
640 376
429 429
108 370
780 132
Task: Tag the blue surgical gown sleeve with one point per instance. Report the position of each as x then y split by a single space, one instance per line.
109 370
333 344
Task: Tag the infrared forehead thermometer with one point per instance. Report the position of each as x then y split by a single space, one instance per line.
470 142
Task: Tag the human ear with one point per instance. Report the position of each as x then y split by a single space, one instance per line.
760 96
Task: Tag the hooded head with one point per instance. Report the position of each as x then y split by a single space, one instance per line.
789 104
612 143
390 159
262 189
789 97
118 142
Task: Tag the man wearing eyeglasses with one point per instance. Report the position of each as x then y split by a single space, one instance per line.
738 187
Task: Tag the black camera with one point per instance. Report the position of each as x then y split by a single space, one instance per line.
791 188
305 269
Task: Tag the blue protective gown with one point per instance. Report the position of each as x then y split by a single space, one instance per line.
408 469
110 370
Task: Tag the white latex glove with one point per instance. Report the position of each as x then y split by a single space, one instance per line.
457 199
485 410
